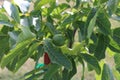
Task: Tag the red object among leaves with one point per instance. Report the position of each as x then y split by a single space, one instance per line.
46 59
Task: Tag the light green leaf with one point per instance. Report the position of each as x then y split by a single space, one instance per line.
114 46
107 73
112 6
40 3
117 61
56 55
14 52
3 17
58 10
24 59
12 10
91 60
51 71
6 23
26 34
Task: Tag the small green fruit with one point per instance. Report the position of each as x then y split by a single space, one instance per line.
58 39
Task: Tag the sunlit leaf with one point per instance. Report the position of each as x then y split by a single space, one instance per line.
14 52
2 22
23 5
107 73
112 6
117 62
40 3
12 10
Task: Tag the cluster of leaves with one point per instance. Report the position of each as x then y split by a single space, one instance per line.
51 27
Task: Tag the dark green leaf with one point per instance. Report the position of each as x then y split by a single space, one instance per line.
91 26
77 3
91 14
4 45
67 74
12 10
51 71
56 55
51 28
91 60
116 35
103 23
103 42
107 73
103 1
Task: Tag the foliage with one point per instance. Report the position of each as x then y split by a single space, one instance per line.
51 27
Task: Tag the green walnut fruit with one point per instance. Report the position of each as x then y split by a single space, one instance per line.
58 39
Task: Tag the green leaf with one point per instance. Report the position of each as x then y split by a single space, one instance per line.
40 3
83 66
107 73
12 10
57 11
112 6
103 23
56 55
68 20
116 36
114 46
4 45
103 1
24 59
25 34
3 17
23 5
14 52
117 61
6 23
91 60
77 3
68 74
51 28
91 25
13 38
103 42
116 74
53 68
